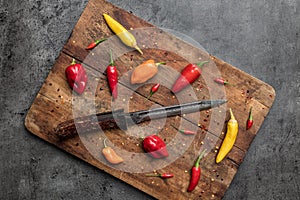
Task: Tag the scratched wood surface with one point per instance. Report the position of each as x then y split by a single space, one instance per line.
56 103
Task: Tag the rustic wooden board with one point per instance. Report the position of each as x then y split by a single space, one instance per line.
55 104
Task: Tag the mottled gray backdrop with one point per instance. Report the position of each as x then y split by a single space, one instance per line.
261 37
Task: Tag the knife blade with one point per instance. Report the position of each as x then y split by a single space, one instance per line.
120 119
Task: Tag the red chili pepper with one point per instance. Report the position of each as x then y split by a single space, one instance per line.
221 81
188 75
76 76
153 90
250 120
196 173
94 44
164 175
154 145
184 131
112 77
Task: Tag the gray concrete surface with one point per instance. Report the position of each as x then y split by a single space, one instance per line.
261 37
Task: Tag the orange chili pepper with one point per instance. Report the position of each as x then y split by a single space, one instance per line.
144 71
110 155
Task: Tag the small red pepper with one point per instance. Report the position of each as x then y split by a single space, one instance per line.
77 77
94 44
188 75
196 173
112 77
250 120
221 81
164 175
154 145
184 131
153 90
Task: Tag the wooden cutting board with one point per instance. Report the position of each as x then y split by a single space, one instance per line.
56 103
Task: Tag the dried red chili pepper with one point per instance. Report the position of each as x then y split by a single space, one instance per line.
164 175
112 77
77 77
184 131
196 173
187 76
94 44
153 90
155 146
250 120
221 81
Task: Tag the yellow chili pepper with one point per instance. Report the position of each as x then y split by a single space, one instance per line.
110 155
230 137
125 36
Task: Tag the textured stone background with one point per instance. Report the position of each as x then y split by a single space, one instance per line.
261 37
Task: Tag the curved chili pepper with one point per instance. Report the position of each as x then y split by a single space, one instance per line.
196 173
184 131
77 77
230 137
110 155
187 76
221 81
164 175
94 44
153 90
112 77
250 120
155 146
125 36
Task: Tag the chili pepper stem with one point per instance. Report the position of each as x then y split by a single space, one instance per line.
160 63
199 158
73 61
181 131
150 95
104 143
111 58
200 64
231 114
101 40
250 114
138 49
227 83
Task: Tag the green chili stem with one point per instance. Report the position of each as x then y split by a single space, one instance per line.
111 59
160 63
200 64
150 95
199 158
250 114
99 41
73 61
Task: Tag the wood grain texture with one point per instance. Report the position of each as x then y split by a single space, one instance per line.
55 103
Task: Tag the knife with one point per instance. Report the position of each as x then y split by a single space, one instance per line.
119 119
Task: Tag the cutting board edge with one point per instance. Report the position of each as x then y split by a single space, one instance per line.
271 88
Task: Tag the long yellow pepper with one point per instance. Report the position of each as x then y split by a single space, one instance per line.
230 137
125 36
